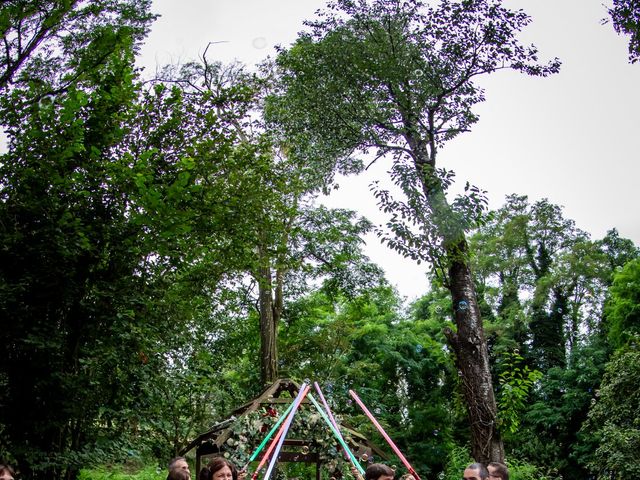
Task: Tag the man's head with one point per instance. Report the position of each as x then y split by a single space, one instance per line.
475 471
179 474
498 471
378 471
179 463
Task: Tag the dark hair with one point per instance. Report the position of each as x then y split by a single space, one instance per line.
501 470
4 467
173 461
376 470
218 463
482 470
178 474
204 473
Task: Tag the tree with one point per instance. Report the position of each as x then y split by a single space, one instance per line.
57 44
397 365
66 277
547 280
625 15
398 78
623 306
619 251
293 241
613 422
109 199
527 257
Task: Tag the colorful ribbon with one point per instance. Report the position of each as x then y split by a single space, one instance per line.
304 389
384 434
333 425
273 429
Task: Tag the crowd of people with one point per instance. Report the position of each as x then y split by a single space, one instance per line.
219 468
493 471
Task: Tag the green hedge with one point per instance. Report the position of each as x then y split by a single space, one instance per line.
119 473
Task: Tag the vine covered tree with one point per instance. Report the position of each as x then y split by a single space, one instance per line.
397 78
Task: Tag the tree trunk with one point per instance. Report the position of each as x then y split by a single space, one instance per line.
472 358
268 328
469 344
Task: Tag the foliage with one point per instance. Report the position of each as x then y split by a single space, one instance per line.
457 460
625 15
531 262
394 363
549 432
623 306
614 421
140 225
147 473
516 381
398 79
545 281
116 228
459 457
519 470
51 46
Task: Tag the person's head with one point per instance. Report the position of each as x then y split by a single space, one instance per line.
6 472
179 463
378 471
220 469
407 476
498 471
179 474
475 471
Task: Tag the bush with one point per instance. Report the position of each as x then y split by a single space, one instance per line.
119 473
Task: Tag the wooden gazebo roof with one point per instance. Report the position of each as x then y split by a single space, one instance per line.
213 442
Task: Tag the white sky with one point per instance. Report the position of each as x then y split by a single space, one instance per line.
572 138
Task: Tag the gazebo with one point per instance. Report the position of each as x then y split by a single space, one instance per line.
282 392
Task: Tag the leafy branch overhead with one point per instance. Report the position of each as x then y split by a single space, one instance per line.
397 78
625 16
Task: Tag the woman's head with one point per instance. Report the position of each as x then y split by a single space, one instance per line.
379 471
6 472
220 469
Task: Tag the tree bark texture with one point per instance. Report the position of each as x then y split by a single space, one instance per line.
268 329
472 358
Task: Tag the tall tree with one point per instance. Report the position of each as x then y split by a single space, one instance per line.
293 241
66 274
398 78
108 199
533 261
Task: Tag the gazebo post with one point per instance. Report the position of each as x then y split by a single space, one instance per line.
318 464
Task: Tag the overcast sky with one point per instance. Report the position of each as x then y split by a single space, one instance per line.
572 138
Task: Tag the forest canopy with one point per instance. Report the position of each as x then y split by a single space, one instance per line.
165 254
